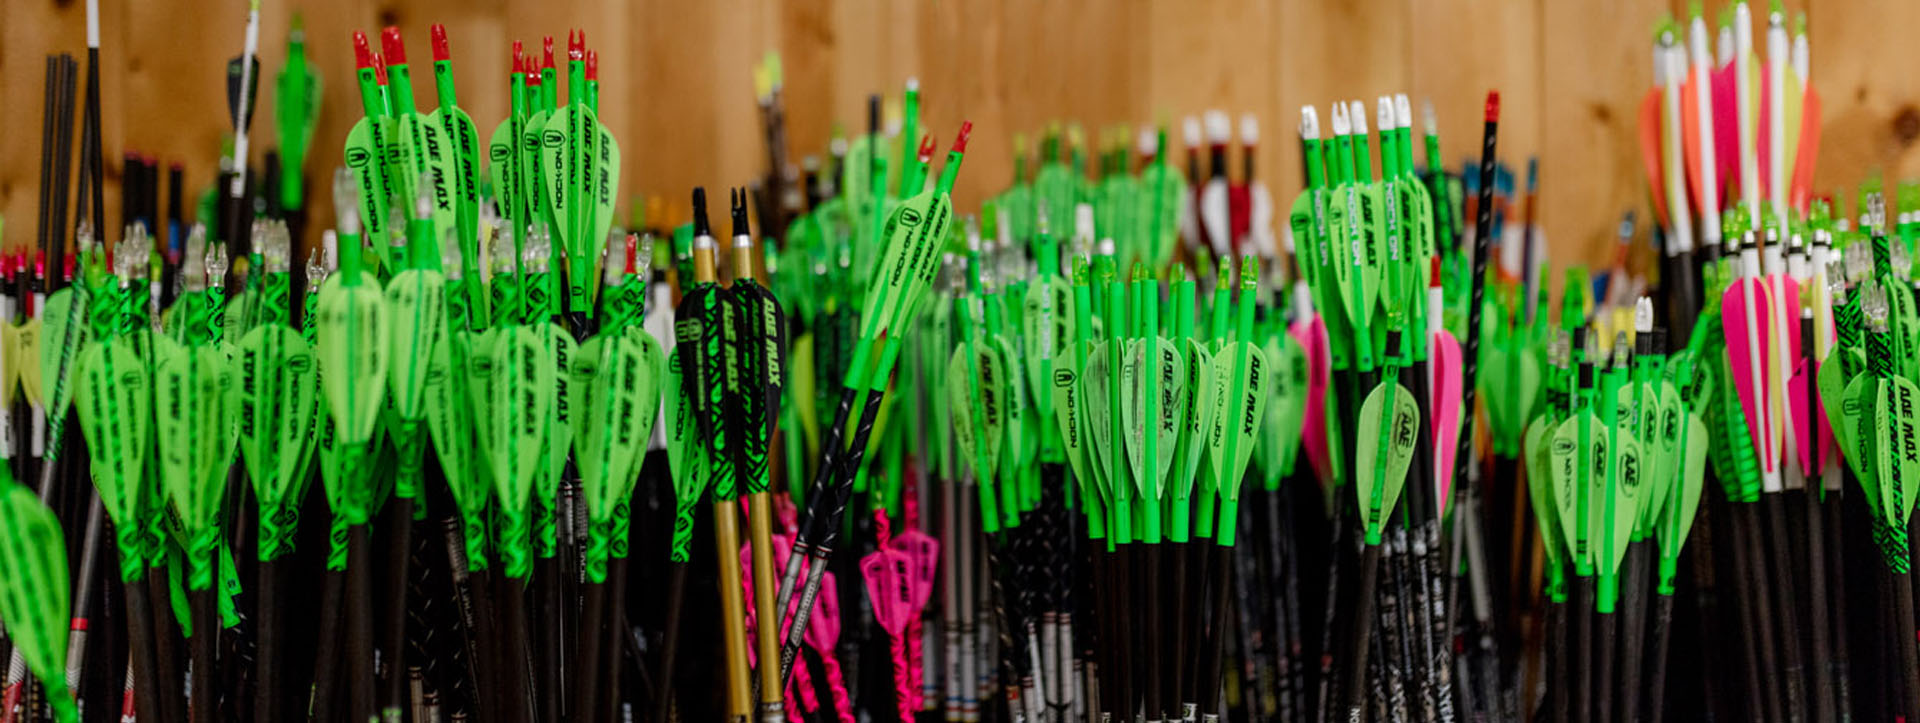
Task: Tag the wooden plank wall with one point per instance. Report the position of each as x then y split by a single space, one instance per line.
678 83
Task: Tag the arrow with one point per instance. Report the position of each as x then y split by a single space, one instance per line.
415 304
905 271
279 399
233 208
755 377
352 323
460 162
297 93
626 368
365 152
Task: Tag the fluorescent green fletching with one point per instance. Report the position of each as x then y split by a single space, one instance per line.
977 428
1904 324
1175 397
856 176
1168 407
1897 436
114 398
239 318
437 165
1050 299
1053 187
1662 420
416 303
1242 384
297 92
21 347
1300 219
606 189
34 599
559 425
583 365
1070 415
533 171
1384 455
915 231
1286 413
353 356
686 454
1676 518
684 451
1166 192
1015 406
462 165
1198 420
406 156
991 416
1857 416
278 397
517 375
1417 215
365 158
1833 384
450 419
1569 459
1357 266
195 418
1132 415
621 405
1346 241
503 173
190 419
1095 384
1629 480
1541 488
63 328
1510 388
566 163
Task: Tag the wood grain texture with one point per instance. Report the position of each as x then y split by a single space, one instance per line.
1871 112
677 81
1597 68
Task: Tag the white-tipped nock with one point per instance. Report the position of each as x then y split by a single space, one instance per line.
1219 127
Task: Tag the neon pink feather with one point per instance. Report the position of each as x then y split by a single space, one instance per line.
823 633
888 574
1445 386
1312 335
923 555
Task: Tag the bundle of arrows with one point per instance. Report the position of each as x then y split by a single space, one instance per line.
1115 444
